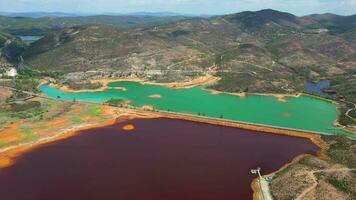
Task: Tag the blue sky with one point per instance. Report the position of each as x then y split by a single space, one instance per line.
298 7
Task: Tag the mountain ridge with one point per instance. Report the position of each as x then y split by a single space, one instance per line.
263 51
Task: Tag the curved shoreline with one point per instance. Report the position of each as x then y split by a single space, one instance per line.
257 193
206 80
203 80
9 154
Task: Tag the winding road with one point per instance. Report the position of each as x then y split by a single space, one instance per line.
349 110
315 181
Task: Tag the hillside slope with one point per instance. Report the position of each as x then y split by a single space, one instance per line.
11 48
44 25
263 51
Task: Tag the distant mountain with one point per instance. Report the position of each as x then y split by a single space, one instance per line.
329 19
263 51
167 14
65 14
44 25
155 14
255 20
41 14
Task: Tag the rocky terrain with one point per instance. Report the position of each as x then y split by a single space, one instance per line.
330 177
11 49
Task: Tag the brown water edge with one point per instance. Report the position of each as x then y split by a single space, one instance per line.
160 159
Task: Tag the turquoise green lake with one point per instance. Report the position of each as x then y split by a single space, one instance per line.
305 113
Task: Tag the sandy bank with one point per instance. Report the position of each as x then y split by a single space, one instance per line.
240 94
279 97
204 80
154 96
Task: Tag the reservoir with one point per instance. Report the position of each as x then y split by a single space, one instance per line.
30 39
159 159
305 113
318 87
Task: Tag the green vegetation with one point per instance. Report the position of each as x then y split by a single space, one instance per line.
30 110
294 179
116 102
340 185
44 25
264 51
341 150
27 134
343 118
85 85
91 110
75 119
11 47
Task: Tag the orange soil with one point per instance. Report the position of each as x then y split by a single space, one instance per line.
61 128
8 157
10 132
56 129
4 94
67 89
128 127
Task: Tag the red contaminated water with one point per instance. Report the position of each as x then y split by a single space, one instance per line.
160 159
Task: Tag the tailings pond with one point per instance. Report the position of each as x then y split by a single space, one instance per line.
305 113
159 159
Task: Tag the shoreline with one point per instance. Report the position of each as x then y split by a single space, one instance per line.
257 193
202 80
208 79
8 155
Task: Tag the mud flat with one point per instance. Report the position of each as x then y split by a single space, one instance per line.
159 158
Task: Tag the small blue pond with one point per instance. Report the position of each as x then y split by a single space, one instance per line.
317 88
